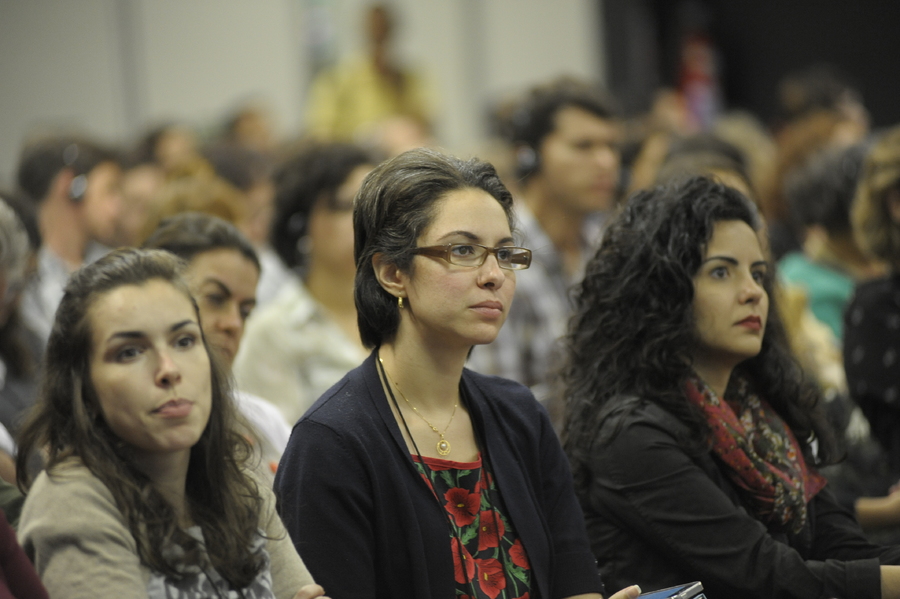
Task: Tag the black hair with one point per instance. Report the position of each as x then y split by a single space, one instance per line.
703 155
393 208
821 192
312 175
241 166
191 233
43 160
535 118
633 333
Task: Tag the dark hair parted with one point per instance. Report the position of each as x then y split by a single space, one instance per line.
68 422
191 233
312 175
633 334
394 206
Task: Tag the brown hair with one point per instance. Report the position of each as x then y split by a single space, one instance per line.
874 229
67 422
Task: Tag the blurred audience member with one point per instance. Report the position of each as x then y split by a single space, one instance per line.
142 182
307 338
822 87
174 148
709 156
820 110
250 126
250 172
76 188
743 130
872 318
222 273
20 347
204 193
568 160
371 98
831 263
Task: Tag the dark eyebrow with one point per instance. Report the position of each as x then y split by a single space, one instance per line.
222 286
473 237
733 261
728 259
138 334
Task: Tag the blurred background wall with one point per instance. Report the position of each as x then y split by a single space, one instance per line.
113 68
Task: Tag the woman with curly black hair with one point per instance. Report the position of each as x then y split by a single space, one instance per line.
693 437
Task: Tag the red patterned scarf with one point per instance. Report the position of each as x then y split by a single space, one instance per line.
763 457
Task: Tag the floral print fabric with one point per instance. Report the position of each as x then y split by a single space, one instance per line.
764 459
489 560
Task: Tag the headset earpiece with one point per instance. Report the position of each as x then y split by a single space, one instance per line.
527 161
77 188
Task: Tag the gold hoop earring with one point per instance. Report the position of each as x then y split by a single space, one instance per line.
400 302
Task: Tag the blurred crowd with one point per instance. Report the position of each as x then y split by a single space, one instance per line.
265 224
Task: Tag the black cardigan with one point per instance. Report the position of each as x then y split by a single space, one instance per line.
658 517
367 525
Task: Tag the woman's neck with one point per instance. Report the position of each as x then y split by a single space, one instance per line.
715 377
430 376
168 475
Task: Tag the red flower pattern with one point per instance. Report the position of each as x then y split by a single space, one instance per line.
518 555
462 505
490 530
480 538
462 559
491 578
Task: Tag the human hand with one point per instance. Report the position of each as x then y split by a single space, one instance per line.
311 591
627 593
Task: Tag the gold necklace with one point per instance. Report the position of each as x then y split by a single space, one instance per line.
443 445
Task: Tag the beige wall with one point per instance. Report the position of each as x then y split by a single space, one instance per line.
110 68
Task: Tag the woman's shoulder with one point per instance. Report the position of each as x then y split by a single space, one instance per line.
349 404
501 390
68 486
631 415
70 501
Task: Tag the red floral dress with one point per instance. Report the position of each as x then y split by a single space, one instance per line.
489 559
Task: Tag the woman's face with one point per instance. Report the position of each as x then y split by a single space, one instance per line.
149 368
331 227
223 281
460 305
730 304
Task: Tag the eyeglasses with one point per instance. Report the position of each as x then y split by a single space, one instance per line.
472 254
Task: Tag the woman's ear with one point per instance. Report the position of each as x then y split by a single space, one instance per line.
389 276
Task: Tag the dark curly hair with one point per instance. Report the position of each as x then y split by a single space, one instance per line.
68 422
633 333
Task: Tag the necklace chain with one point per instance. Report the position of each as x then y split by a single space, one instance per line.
443 445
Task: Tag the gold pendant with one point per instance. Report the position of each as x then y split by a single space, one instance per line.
443 446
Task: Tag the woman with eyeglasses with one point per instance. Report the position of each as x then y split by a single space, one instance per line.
412 476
